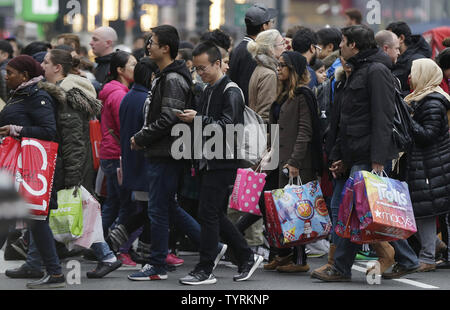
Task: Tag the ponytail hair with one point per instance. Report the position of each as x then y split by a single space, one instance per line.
264 43
119 59
69 64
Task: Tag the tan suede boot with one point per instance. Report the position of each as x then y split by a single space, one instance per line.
385 253
330 259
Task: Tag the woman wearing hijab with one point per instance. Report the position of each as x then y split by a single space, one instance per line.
295 111
29 113
428 169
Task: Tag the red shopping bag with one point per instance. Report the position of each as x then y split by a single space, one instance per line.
95 133
36 167
9 153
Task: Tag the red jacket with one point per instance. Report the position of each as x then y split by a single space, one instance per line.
444 85
111 95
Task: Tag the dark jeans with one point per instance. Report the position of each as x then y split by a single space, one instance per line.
338 187
118 203
214 195
45 244
345 250
164 179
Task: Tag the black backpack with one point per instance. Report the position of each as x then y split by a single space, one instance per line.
402 132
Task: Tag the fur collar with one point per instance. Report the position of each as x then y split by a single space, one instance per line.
267 61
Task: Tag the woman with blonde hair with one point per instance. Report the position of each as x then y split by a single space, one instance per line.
428 160
266 49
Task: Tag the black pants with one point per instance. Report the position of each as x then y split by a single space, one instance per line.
214 195
139 220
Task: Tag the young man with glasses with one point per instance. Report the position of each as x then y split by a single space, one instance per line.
170 94
220 106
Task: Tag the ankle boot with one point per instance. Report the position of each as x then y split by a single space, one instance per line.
330 259
385 253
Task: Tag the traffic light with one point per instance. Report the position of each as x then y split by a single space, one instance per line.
202 21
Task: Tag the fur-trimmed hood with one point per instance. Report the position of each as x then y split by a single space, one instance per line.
267 61
339 75
77 97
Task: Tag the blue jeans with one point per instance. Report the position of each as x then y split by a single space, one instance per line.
118 204
338 187
164 180
405 255
345 250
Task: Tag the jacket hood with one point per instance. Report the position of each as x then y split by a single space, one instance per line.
76 81
419 46
103 59
267 61
339 74
178 66
371 56
110 88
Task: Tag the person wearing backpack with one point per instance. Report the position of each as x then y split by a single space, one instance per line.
365 137
218 175
428 168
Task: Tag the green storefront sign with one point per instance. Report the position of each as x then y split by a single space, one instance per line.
239 13
38 11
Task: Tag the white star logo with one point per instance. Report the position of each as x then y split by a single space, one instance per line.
377 213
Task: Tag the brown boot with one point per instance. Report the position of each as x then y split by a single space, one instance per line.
330 260
277 262
385 253
426 267
292 268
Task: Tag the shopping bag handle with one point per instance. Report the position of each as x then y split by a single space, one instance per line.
380 174
299 181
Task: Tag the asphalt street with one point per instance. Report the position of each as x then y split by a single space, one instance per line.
261 280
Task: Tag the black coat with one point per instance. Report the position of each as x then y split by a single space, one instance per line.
222 108
242 65
171 90
367 112
419 48
32 108
102 69
428 172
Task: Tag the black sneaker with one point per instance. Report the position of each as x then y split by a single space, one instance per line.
398 272
103 269
24 272
48 281
330 274
89 255
246 271
21 247
198 277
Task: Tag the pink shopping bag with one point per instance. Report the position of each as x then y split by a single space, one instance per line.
247 191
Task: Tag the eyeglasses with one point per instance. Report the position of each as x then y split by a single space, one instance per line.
282 65
151 42
280 44
201 68
318 47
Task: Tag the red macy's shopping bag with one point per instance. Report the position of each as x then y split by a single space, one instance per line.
36 167
9 153
95 134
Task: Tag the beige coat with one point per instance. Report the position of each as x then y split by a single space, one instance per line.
262 91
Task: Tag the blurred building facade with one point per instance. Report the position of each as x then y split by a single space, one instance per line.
131 18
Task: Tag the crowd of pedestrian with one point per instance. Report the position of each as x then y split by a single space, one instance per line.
332 93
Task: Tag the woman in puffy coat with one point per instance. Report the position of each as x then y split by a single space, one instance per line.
428 168
29 113
75 105
116 86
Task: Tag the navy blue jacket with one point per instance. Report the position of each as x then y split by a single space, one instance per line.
131 121
33 109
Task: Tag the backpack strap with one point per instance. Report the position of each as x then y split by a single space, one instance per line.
233 84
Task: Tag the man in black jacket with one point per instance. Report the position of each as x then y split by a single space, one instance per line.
103 41
364 140
412 47
220 106
258 18
170 94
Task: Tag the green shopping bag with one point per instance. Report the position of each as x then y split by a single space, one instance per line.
66 222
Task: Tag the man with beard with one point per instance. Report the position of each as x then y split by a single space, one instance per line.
306 43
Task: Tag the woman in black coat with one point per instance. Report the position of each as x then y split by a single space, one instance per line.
29 113
428 171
